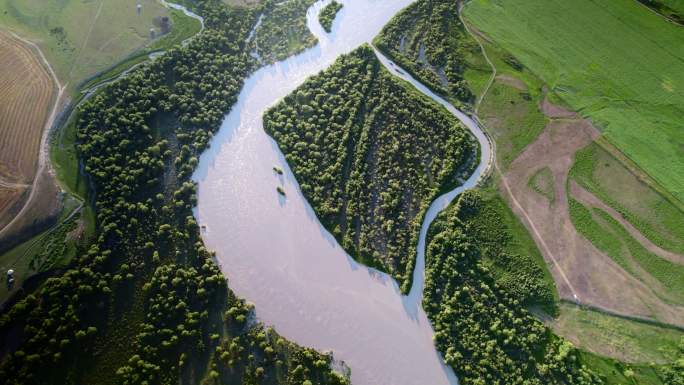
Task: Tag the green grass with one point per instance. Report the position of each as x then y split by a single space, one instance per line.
183 28
512 119
542 182
656 217
614 62
614 372
624 339
611 238
62 29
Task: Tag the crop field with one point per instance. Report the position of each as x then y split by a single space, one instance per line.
624 339
82 38
614 62
27 91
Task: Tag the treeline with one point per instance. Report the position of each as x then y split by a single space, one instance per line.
283 31
145 304
327 15
426 39
508 251
674 374
370 154
481 328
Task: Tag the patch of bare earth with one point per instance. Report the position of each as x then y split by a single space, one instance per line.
512 81
582 272
588 199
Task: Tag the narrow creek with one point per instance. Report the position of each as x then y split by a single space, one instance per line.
277 255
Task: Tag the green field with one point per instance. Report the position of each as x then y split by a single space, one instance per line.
614 372
614 62
604 334
83 38
659 219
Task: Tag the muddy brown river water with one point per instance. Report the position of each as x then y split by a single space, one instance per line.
275 252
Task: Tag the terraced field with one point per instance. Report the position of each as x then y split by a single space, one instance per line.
27 91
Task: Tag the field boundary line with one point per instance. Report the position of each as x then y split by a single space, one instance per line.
659 14
611 313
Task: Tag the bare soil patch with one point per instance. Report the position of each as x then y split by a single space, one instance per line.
582 273
587 198
512 81
555 112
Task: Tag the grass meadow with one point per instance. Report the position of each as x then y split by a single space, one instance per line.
608 335
83 38
614 62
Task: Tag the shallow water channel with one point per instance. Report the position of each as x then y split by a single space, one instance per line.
277 255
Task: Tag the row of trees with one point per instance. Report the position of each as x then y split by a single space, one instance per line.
370 154
427 39
483 331
144 303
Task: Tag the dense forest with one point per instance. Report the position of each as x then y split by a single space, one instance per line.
480 327
283 31
371 154
144 303
327 15
424 39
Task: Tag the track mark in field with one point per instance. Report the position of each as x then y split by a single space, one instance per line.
85 41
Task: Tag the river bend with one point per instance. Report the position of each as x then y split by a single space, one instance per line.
275 252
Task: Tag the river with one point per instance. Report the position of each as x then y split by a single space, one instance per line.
277 255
